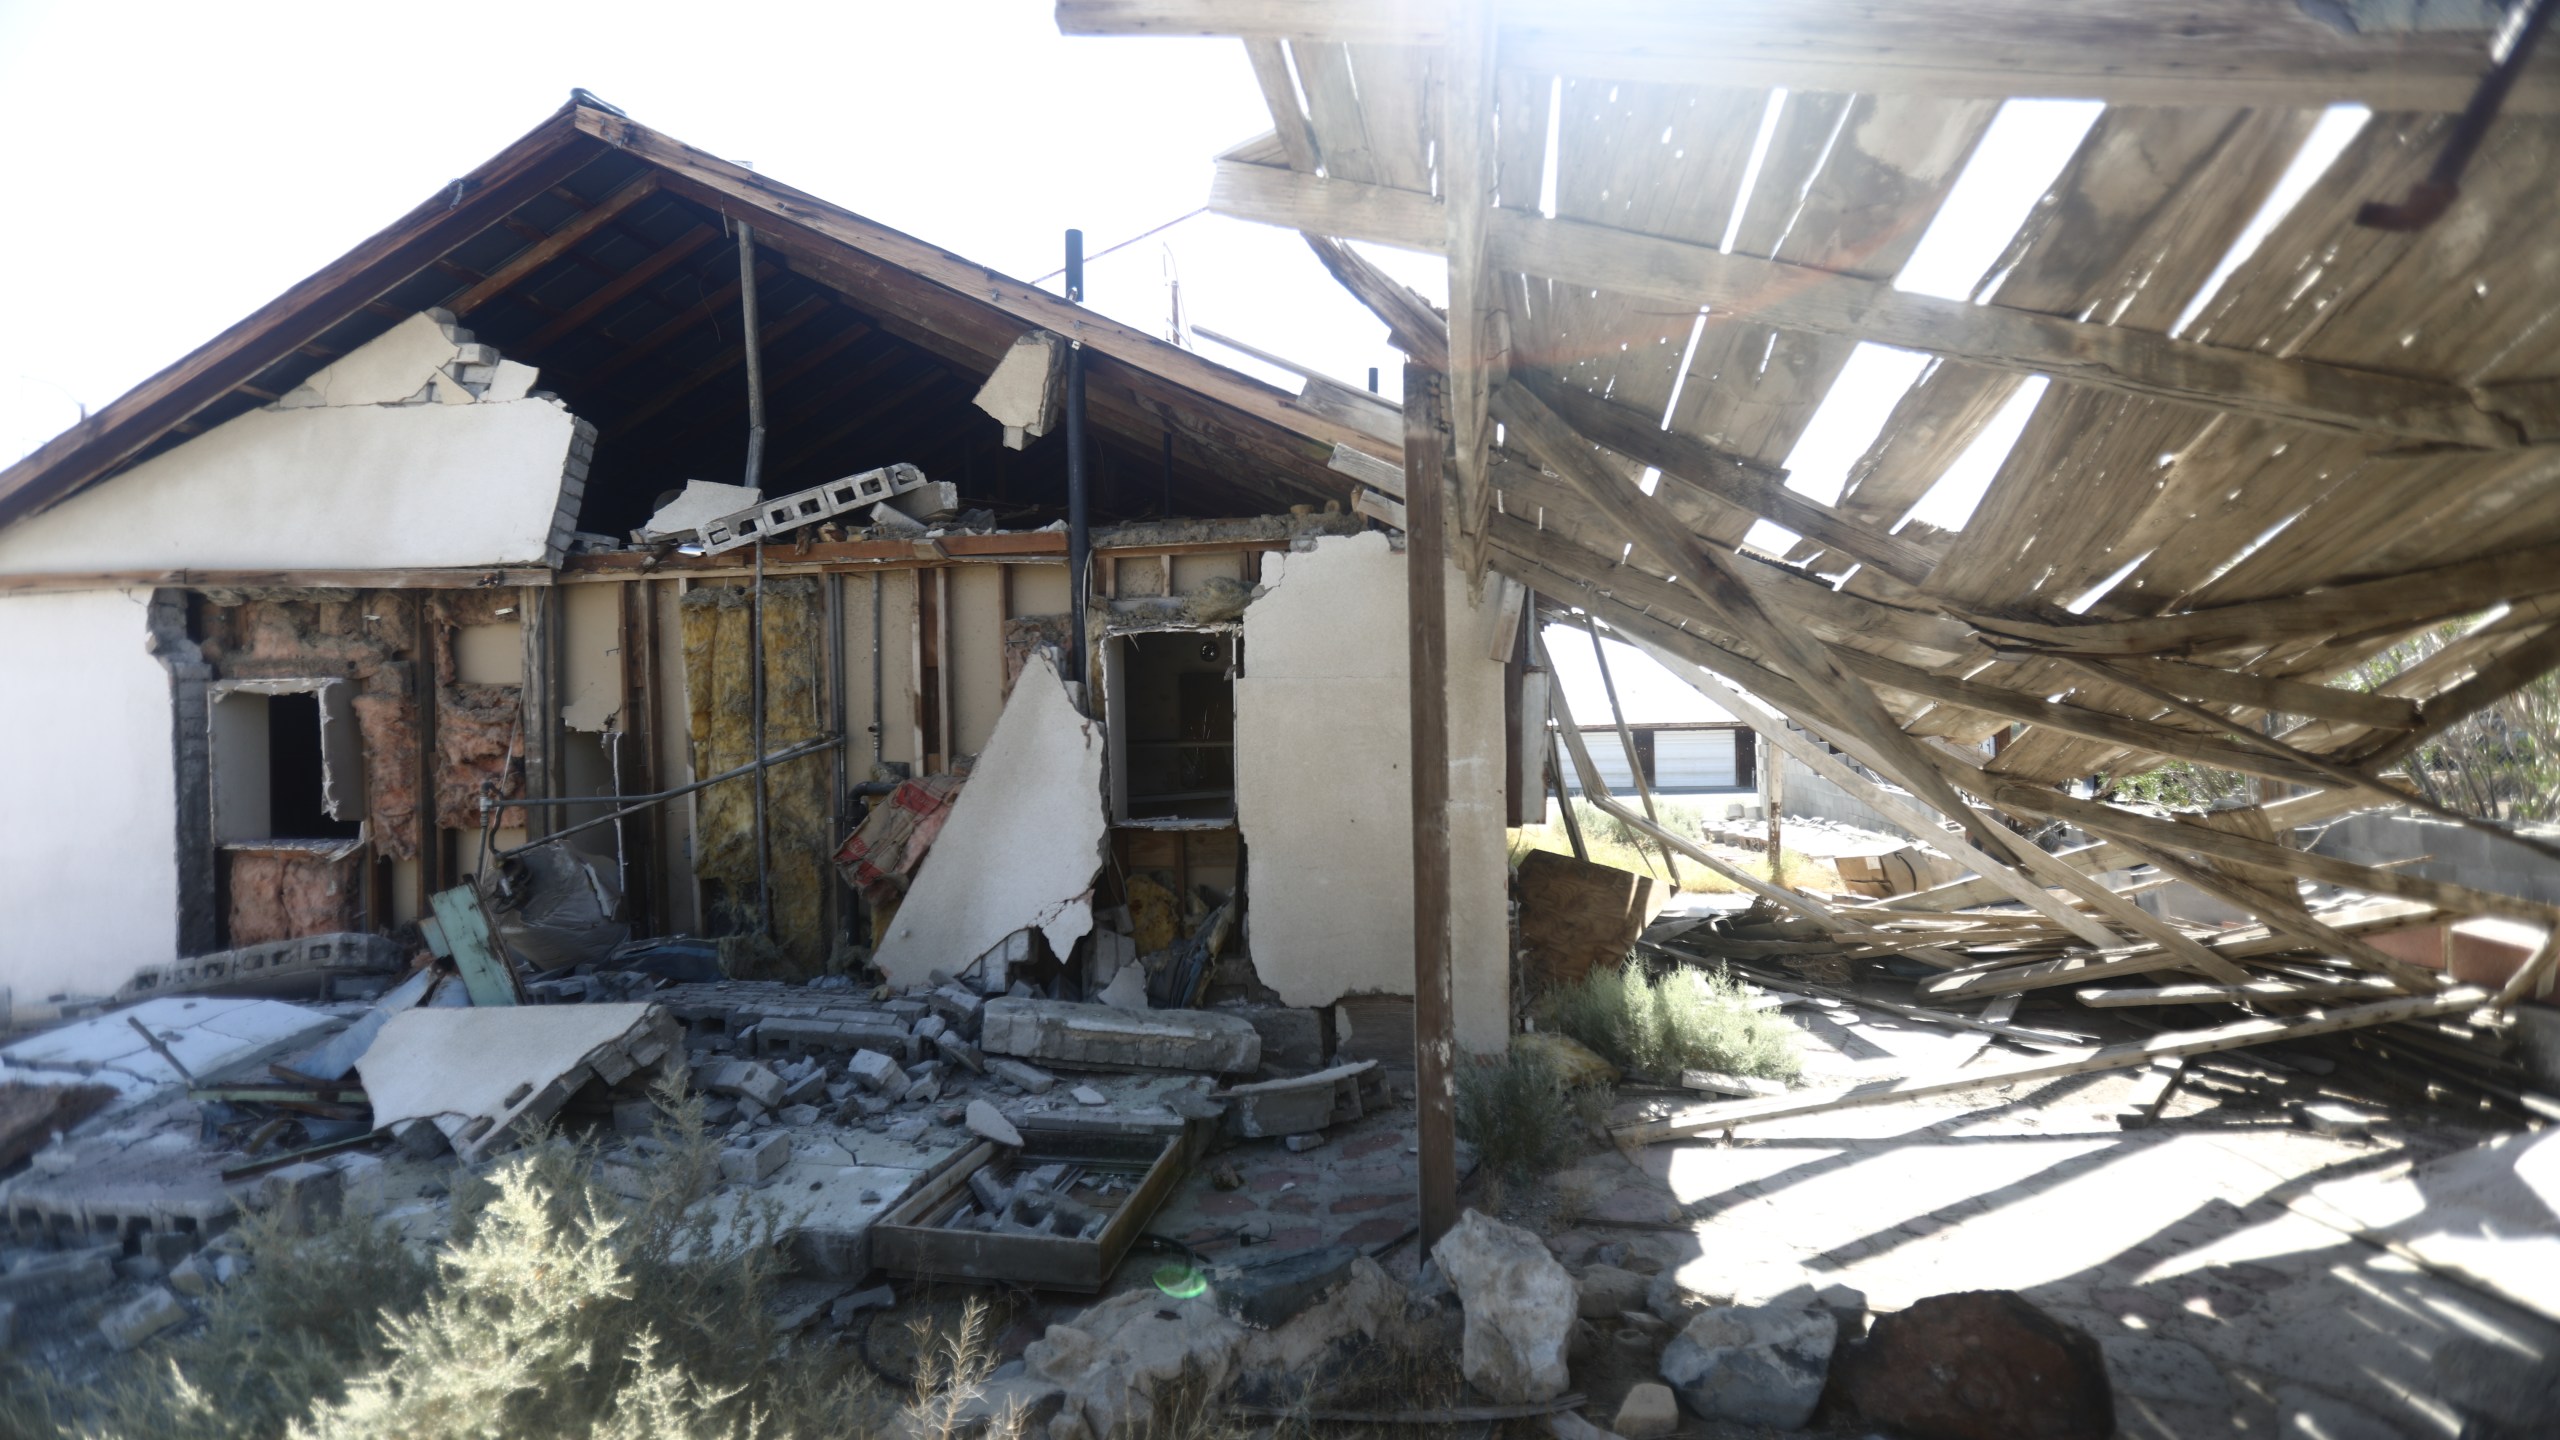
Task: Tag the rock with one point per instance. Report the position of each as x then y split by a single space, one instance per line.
1573 1062
1647 1412
1127 990
153 1311
985 1119
1360 1303
1301 1144
1087 1095
755 1162
1519 1305
1978 1365
1670 1300
1118 1355
878 1073
744 1080
1201 1041
1030 1079
1607 1290
192 1277
1753 1364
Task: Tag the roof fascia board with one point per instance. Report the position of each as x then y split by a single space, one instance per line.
543 157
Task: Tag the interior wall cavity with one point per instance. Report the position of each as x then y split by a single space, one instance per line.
364 487
1324 791
88 864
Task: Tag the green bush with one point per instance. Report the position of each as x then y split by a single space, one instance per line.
1518 1115
1682 1019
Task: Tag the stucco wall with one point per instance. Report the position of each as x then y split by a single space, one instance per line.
88 858
1322 745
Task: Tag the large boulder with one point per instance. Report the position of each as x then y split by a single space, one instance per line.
1118 1356
1981 1365
1519 1303
1753 1364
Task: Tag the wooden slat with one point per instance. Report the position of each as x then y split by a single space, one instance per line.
2206 52
2137 362
1280 95
2172 1044
615 291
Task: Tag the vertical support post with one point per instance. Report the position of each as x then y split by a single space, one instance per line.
538 611
752 342
424 686
1426 563
1079 520
1777 782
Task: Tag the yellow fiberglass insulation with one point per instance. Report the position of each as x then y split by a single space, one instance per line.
718 641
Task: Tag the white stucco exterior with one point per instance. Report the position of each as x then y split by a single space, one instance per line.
88 796
1322 788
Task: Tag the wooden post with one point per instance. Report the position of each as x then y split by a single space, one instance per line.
1777 783
1635 762
1426 564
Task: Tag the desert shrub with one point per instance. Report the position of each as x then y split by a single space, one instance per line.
1517 1114
1681 1019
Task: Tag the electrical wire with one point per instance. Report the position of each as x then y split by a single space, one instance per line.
1125 244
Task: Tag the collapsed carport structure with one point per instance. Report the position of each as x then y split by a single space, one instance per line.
2210 521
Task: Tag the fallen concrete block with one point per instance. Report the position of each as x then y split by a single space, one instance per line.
796 1115
298 967
830 1034
303 1195
60 1274
192 1277
755 1162
482 1075
960 1009
961 1052
1030 1079
987 1120
878 1072
1647 1413
1292 1038
1201 1041
744 1080
147 1315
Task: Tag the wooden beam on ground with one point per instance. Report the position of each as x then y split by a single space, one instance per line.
2142 830
515 268
2292 920
2173 1044
2040 1039
2125 52
1805 298
1427 685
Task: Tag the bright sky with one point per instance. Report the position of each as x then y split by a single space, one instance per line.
180 164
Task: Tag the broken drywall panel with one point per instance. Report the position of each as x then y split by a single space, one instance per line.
697 505
1322 756
442 485
591 657
1022 845
206 1034
479 1073
1027 388
89 873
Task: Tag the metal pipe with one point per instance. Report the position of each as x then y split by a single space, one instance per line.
1079 518
639 803
749 340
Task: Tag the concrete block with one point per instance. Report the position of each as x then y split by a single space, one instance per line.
192 1277
1292 1037
1030 1079
1297 1106
961 1009
1648 1412
961 1052
305 1194
153 1311
59 1275
878 1073
1202 1041
755 1163
745 1080
808 1087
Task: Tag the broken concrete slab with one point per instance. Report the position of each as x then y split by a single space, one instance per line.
206 1035
480 1074
1292 1037
1030 1079
1022 844
743 1080
985 1119
1064 1032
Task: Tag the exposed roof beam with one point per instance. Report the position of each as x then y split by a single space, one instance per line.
1800 297
2129 52
614 291
523 263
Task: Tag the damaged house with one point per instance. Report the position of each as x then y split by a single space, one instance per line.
310 626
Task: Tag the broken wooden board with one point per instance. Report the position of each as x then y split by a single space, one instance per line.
1704 1118
1575 915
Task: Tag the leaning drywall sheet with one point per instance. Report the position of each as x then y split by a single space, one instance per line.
1323 746
88 868
367 476
1023 843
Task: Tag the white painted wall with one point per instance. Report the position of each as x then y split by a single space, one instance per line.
1322 752
88 795
384 460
